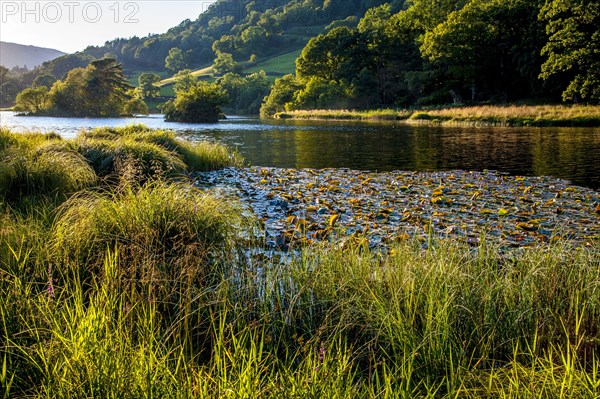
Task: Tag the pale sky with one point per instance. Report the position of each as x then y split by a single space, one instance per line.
72 25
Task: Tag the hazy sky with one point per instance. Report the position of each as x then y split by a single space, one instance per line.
71 25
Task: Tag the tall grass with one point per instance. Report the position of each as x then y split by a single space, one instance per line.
381 114
495 115
158 225
36 164
115 152
447 321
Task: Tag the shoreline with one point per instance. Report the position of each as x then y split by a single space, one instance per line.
499 116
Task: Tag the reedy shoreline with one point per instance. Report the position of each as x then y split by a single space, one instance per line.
509 116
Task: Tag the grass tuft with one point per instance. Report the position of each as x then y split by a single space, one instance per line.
107 148
167 234
36 164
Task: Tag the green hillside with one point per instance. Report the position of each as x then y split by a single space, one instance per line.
274 67
278 65
241 28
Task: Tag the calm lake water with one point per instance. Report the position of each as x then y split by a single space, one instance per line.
568 153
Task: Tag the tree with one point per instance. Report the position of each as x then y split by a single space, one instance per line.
9 90
147 85
68 96
135 106
184 81
106 88
254 38
3 72
320 93
489 46
225 63
332 56
176 60
201 103
573 47
45 79
99 90
245 93
281 94
32 100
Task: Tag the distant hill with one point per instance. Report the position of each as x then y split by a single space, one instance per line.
12 54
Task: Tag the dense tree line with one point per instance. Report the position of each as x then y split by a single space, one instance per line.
246 93
444 50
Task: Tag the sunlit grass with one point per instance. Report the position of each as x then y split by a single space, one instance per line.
515 115
382 114
158 151
36 164
511 115
446 321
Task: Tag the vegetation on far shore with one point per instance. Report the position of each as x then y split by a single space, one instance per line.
494 115
118 279
421 53
99 90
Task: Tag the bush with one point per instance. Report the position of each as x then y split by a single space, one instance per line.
201 103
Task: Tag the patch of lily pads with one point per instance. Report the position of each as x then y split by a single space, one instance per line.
308 205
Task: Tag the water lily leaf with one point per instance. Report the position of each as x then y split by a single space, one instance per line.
503 212
438 192
332 219
526 226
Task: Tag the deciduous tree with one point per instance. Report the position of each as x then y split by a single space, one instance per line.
573 47
147 84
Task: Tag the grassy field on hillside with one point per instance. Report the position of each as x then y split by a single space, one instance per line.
278 65
273 66
133 76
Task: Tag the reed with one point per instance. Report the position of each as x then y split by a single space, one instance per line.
447 321
492 115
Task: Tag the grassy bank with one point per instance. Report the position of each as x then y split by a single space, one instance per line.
136 285
514 115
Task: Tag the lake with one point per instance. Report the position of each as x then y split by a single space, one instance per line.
567 153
